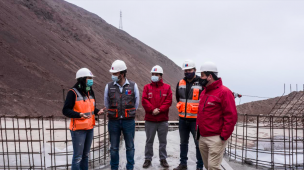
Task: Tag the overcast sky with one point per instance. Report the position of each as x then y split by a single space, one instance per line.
257 45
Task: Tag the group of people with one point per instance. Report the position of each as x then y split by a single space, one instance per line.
206 109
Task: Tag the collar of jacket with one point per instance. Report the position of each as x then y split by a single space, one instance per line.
218 83
159 83
126 83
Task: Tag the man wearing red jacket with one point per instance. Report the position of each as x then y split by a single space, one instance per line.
216 117
156 100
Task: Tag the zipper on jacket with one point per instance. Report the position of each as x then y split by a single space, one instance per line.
187 100
187 97
205 103
121 105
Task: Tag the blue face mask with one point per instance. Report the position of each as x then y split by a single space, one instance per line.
90 82
115 78
155 78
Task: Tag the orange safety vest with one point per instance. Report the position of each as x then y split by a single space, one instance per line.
188 107
86 105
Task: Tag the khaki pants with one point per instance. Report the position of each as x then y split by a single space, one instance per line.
212 150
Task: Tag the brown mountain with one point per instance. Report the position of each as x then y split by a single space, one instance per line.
287 105
44 42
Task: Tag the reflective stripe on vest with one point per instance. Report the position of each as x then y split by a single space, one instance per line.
188 108
189 101
189 115
85 105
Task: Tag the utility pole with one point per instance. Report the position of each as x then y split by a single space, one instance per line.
120 21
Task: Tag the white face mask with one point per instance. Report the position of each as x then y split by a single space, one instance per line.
115 78
155 78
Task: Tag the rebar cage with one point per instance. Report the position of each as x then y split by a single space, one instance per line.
45 143
275 144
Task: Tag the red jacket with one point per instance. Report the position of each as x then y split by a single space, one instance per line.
157 95
217 113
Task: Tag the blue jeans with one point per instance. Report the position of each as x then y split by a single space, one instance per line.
128 129
82 140
185 127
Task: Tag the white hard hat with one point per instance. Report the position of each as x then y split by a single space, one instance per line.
84 72
208 66
117 66
157 69
188 64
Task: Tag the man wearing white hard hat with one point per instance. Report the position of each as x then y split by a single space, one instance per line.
216 117
188 90
80 106
156 100
121 98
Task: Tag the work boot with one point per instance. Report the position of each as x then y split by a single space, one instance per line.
181 167
147 163
164 163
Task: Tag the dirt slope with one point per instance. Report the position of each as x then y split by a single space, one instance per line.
44 42
287 105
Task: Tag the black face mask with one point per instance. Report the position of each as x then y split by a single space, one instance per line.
190 75
203 82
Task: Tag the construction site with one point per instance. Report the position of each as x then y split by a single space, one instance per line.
43 44
272 140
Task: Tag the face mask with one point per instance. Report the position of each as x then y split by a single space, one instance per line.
190 75
204 82
155 78
115 78
90 82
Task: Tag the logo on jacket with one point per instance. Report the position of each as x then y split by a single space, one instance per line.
210 103
128 92
150 95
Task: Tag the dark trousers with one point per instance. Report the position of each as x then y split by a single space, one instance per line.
185 128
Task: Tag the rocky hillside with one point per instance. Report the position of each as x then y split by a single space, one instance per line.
287 105
44 42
